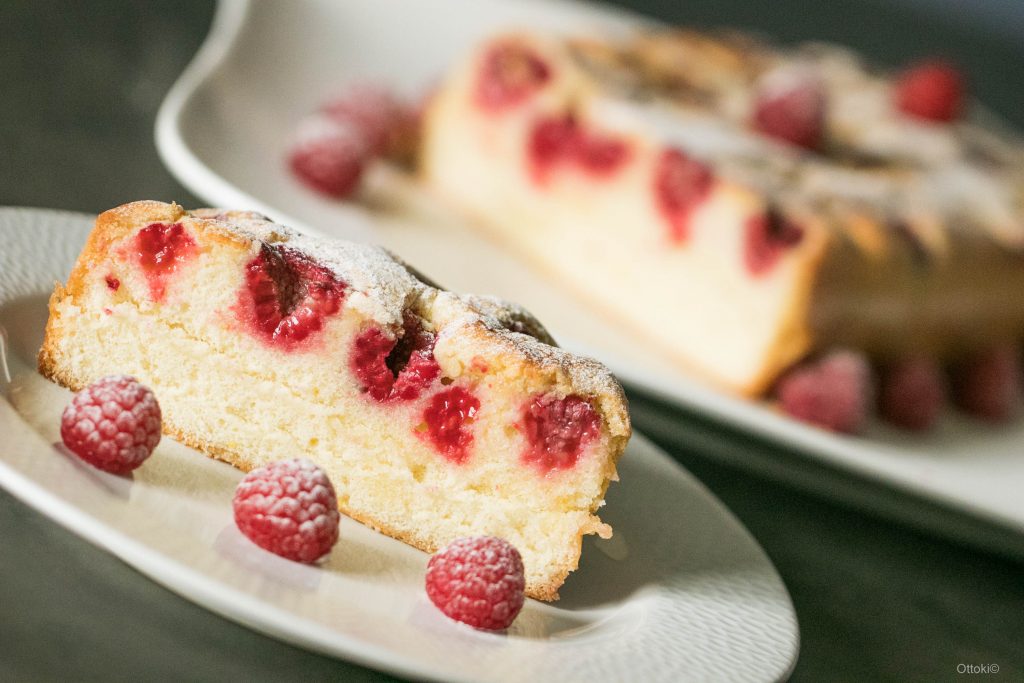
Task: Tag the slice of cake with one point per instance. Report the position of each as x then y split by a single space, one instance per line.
741 205
435 415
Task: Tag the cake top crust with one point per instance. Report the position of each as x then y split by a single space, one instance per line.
702 90
367 270
385 288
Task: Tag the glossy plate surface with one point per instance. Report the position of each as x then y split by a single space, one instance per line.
681 591
223 131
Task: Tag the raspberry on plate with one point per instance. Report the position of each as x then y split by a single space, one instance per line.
381 117
913 394
988 386
833 392
289 508
113 424
329 155
477 580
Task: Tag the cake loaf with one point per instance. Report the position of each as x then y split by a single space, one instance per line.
741 205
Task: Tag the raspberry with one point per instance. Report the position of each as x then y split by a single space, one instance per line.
288 297
390 369
329 156
681 183
161 248
289 508
562 140
384 121
932 90
913 393
112 424
448 418
552 141
601 155
509 74
833 392
557 430
790 106
767 237
988 385
479 581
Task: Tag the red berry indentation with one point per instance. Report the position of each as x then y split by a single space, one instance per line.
509 74
290 508
113 424
833 392
562 141
912 394
395 369
933 91
113 284
552 141
449 417
478 581
790 106
988 385
681 183
160 249
287 296
557 430
768 236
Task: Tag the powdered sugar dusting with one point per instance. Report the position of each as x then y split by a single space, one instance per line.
508 316
873 154
586 375
383 288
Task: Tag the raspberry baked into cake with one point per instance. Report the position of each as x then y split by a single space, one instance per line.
435 415
742 206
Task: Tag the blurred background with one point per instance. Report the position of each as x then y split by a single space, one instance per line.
80 84
87 79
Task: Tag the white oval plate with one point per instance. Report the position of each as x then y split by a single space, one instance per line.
222 131
681 591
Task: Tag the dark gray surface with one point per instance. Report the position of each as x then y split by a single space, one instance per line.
79 87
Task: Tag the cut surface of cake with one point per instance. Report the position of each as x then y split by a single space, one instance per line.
435 415
740 205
